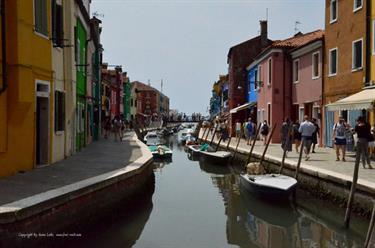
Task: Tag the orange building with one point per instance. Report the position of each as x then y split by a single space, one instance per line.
346 67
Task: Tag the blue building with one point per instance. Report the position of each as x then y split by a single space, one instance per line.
215 105
252 85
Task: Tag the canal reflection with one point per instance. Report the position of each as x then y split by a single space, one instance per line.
192 204
255 223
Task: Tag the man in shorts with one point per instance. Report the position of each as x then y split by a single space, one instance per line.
307 129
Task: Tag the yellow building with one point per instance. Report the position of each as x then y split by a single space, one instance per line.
26 105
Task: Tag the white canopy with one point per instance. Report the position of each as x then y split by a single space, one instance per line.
362 100
242 107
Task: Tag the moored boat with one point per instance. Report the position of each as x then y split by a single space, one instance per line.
160 151
269 186
218 157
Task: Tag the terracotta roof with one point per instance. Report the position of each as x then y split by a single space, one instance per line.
298 40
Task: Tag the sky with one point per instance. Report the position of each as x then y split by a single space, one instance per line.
186 42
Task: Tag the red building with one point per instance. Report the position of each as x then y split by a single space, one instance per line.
146 102
239 57
114 91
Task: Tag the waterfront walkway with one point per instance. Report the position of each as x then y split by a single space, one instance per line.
96 159
323 161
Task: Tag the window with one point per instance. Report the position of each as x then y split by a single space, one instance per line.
256 78
259 74
357 5
57 24
59 111
357 55
40 17
315 65
333 11
332 62
269 72
296 71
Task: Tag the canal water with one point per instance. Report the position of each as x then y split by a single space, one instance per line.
191 204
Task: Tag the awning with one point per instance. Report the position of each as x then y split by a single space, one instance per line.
242 107
361 100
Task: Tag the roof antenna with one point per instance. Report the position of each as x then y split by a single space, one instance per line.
161 86
296 29
267 14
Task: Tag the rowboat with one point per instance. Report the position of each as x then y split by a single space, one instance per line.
218 157
160 151
194 150
269 186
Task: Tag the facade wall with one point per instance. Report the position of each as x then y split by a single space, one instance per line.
274 100
350 26
252 78
17 104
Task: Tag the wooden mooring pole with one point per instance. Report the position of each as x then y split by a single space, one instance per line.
209 128
352 191
299 159
253 144
218 144
268 143
370 229
230 139
213 137
204 132
238 143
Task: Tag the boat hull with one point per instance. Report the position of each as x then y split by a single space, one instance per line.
268 192
211 158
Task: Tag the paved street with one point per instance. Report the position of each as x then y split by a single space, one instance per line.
324 158
96 159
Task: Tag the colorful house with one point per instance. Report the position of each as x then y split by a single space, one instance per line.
275 79
26 98
347 67
239 57
127 97
307 83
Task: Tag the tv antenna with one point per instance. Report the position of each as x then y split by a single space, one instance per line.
97 14
296 29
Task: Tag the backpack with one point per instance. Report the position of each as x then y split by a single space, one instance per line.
340 130
264 128
249 127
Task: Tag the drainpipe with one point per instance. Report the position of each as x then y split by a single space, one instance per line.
3 48
368 43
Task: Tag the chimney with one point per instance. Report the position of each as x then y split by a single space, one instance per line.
263 33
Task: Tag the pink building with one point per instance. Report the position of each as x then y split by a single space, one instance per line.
274 79
307 64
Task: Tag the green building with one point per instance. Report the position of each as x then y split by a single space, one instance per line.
80 59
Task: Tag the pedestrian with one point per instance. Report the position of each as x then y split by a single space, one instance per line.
264 130
244 127
296 135
107 127
249 130
238 129
117 124
363 130
224 131
307 129
315 135
339 137
286 136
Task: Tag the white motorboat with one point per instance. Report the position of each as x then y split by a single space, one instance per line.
160 151
194 150
271 186
150 135
218 157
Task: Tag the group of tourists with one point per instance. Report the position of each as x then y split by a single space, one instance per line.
116 126
308 131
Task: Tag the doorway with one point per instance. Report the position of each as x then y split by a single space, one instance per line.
42 123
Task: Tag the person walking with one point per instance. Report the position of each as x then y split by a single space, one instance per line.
250 130
286 136
307 129
339 137
315 135
264 130
238 129
244 128
117 124
364 134
296 135
107 127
